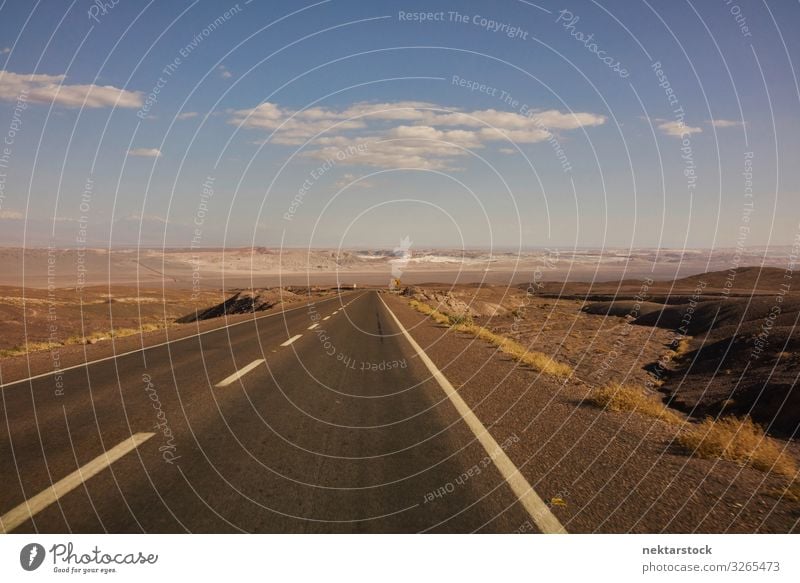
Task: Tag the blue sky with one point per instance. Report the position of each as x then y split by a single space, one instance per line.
356 124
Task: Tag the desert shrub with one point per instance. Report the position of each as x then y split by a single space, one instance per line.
463 323
429 311
738 440
460 319
682 347
617 397
26 348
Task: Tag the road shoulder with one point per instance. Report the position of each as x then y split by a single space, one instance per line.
599 471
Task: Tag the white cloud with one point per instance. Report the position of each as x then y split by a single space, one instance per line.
522 136
11 215
349 181
295 127
678 129
404 133
5 51
386 155
52 89
223 72
536 120
463 138
725 123
187 115
145 152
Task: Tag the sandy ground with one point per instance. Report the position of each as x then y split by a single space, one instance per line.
709 344
34 319
210 269
601 349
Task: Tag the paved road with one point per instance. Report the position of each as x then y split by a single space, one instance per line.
318 419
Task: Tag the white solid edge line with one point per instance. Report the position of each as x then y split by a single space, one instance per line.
239 374
13 518
160 344
313 326
292 339
535 506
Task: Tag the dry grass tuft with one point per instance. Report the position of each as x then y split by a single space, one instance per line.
630 398
460 319
114 333
683 346
30 347
536 360
738 440
435 314
728 438
542 362
790 492
26 348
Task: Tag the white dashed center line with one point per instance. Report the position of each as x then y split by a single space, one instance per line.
239 374
292 339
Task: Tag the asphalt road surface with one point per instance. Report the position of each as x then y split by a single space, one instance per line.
323 418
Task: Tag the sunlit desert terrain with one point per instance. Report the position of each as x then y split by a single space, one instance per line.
267 267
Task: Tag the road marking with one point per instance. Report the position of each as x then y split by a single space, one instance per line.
539 511
160 344
239 374
326 318
292 339
13 518
313 326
